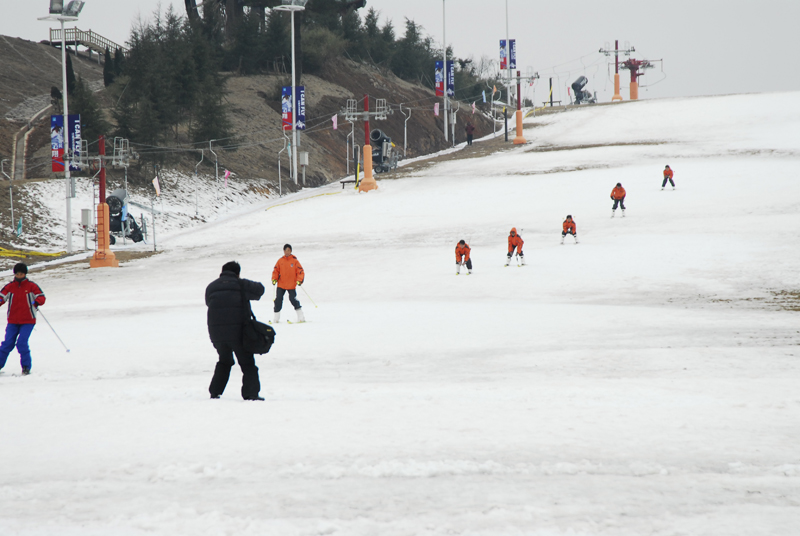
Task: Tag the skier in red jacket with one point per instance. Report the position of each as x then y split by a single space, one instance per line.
462 257
515 241
23 297
668 174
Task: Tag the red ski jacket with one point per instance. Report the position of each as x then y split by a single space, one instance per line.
288 272
569 226
668 173
462 251
515 241
618 193
21 296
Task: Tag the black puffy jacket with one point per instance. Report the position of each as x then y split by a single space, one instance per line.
226 312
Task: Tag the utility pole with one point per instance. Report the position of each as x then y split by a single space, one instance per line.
445 70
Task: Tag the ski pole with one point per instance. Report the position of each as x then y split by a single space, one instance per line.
54 331
309 297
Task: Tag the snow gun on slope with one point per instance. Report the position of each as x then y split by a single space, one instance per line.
581 96
384 157
120 221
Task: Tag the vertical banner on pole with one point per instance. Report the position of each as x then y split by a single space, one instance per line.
503 55
512 62
287 110
61 139
436 109
438 77
451 78
57 143
74 131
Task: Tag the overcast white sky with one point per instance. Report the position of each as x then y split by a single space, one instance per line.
708 46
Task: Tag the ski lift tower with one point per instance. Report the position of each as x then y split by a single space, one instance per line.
616 52
352 115
520 139
636 67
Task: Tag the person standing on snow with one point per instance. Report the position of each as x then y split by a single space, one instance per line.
288 275
569 227
228 300
618 196
23 297
668 177
515 242
470 130
462 257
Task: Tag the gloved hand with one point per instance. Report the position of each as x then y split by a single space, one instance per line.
274 281
299 283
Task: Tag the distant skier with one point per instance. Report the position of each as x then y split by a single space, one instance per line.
515 242
23 297
462 257
288 275
569 227
668 177
618 195
470 130
226 315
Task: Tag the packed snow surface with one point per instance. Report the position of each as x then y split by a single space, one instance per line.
644 381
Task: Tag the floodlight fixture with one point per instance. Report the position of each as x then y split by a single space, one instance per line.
292 5
74 8
56 7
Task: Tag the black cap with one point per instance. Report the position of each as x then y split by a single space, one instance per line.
232 266
21 267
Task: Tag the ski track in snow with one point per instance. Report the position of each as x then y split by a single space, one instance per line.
641 382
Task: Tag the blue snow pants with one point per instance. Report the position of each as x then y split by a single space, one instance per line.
17 335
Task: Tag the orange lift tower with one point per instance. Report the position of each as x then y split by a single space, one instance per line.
636 67
103 256
616 52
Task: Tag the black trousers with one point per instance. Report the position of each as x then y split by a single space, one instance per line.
250 384
665 182
292 299
565 233
620 202
468 264
469 139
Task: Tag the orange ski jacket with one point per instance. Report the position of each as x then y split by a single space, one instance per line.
288 272
569 226
462 251
668 173
618 193
514 240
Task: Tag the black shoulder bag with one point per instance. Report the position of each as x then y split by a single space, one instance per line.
257 338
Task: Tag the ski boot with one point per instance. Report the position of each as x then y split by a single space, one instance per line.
623 212
458 268
26 371
276 318
300 316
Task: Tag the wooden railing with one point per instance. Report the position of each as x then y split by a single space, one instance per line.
88 39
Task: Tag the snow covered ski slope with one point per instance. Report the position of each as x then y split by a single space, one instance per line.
644 381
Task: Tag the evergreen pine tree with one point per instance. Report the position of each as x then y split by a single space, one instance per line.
70 76
119 62
83 102
108 69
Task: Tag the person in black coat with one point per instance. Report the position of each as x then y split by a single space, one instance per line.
228 300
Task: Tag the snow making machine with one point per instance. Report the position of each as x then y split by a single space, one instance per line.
581 96
121 222
384 157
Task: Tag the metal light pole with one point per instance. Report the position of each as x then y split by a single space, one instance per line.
292 6
445 71
508 58
63 14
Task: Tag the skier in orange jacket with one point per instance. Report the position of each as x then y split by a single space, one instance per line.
569 227
515 242
288 275
462 257
668 177
618 195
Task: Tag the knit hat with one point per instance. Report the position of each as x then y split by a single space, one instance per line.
21 267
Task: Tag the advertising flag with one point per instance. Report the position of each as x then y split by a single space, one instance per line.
59 142
473 108
438 78
156 186
335 121
287 110
503 55
512 63
227 174
484 96
436 109
445 82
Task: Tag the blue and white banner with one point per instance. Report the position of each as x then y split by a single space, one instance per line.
513 60
59 142
440 77
287 110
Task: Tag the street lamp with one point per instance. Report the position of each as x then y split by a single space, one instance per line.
445 70
69 13
292 6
